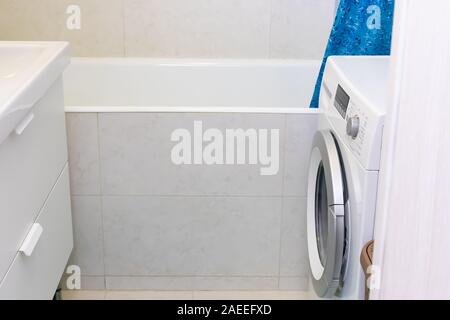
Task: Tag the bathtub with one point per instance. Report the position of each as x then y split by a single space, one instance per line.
142 222
177 85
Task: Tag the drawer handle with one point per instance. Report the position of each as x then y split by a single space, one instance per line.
24 123
31 239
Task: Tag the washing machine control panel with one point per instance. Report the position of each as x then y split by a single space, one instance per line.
357 126
354 116
361 130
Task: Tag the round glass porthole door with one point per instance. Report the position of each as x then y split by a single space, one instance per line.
325 215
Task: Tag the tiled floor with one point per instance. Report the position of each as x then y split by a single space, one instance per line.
184 295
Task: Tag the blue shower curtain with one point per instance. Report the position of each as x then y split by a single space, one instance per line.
361 27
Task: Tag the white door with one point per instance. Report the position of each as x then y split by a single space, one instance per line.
326 216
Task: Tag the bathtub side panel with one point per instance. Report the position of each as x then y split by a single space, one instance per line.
234 231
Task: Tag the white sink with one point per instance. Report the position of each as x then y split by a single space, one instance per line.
27 70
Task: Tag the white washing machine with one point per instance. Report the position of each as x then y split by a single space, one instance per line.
343 173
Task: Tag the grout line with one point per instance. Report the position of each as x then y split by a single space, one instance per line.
282 199
101 200
280 243
191 196
295 197
194 276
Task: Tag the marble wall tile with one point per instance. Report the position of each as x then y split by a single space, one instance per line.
300 130
101 32
136 156
294 249
82 135
212 236
88 235
201 28
176 28
28 20
300 28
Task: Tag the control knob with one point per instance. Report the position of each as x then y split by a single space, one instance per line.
353 126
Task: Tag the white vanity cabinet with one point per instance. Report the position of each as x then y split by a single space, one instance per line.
35 217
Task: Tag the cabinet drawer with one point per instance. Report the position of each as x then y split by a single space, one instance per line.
37 276
30 164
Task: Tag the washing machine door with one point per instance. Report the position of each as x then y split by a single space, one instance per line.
326 215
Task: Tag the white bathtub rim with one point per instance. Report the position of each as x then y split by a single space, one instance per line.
194 62
188 109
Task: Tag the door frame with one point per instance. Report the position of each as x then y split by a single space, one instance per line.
412 225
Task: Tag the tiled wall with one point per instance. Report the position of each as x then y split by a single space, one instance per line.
177 28
143 223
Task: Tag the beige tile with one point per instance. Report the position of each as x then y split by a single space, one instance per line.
101 34
249 295
201 28
300 28
28 20
83 294
176 28
149 295
176 283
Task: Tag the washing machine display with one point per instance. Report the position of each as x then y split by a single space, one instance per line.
341 101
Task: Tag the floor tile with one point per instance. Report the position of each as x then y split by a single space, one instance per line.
83 294
149 295
249 295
